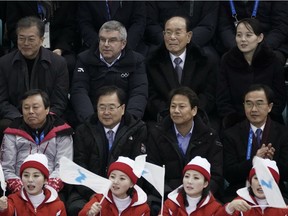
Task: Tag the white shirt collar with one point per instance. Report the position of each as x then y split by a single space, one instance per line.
182 56
113 129
108 64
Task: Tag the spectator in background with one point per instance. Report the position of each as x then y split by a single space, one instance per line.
132 14
272 16
31 66
256 135
202 16
179 138
36 132
109 133
60 25
196 72
251 61
109 63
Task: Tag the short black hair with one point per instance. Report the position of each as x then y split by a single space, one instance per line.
109 90
31 21
40 92
261 87
185 91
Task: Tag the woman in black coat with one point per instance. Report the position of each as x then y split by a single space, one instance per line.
251 61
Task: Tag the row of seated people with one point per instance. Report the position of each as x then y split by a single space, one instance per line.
112 132
122 196
147 82
73 26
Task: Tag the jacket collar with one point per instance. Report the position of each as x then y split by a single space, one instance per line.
139 196
44 56
49 192
175 196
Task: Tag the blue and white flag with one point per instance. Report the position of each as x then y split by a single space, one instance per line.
155 175
74 174
268 184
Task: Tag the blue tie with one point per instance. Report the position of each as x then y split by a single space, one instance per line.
110 138
258 136
178 68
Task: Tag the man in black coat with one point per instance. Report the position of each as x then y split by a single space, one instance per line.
241 142
31 66
197 70
109 133
179 138
109 63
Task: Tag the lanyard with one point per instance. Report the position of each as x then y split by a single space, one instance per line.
108 9
41 12
234 13
249 145
37 140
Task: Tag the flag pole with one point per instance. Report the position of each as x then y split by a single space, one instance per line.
162 200
102 199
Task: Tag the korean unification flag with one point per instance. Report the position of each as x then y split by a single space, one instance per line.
74 174
268 184
155 176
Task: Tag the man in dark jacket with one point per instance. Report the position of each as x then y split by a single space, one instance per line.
109 64
242 142
31 66
197 72
108 134
182 136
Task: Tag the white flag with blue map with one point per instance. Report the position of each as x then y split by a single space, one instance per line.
268 184
74 174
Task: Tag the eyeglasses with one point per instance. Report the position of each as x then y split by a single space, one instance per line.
176 33
110 108
109 40
257 104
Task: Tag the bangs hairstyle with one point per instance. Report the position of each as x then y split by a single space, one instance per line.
252 25
32 92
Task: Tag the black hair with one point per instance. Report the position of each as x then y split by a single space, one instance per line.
261 87
205 193
109 90
252 24
185 91
32 92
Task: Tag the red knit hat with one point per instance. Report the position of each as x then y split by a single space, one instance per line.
271 165
37 161
201 165
125 165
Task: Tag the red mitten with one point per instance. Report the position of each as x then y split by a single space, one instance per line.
14 185
56 183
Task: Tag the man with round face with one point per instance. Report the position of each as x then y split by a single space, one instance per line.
109 62
31 66
178 62
257 135
36 131
181 136
109 133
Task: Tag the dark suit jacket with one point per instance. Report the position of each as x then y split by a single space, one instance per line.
197 74
235 140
